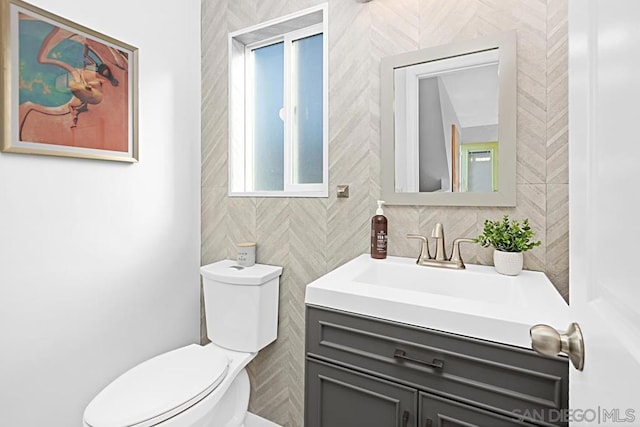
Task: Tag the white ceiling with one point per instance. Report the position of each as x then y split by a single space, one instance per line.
474 94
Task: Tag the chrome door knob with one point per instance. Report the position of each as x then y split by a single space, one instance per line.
550 342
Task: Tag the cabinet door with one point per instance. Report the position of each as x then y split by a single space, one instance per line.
340 397
440 412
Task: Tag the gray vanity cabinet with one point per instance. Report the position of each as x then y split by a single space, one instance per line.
363 371
343 397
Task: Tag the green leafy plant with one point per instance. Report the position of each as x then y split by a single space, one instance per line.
507 235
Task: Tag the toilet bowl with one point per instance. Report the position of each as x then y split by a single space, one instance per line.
200 386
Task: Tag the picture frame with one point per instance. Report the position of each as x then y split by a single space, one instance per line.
67 90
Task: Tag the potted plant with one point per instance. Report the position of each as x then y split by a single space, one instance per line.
510 240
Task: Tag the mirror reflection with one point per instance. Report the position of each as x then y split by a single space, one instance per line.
448 124
451 140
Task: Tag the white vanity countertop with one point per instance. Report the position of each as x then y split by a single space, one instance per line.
476 302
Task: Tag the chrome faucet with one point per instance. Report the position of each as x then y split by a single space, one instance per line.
440 258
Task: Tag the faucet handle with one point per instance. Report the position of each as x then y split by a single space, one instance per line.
455 251
438 234
438 231
424 248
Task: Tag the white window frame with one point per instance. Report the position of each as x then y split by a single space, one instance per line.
241 46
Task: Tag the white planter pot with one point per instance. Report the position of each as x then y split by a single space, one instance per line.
509 263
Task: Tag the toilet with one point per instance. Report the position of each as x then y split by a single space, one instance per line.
201 386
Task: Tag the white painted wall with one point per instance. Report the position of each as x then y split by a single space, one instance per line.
434 174
449 117
99 260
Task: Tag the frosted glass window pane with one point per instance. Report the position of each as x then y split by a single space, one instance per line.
268 128
308 90
480 172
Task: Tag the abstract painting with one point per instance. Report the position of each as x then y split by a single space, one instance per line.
68 90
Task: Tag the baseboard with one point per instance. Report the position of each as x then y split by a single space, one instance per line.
252 420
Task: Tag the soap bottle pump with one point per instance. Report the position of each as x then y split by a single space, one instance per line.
379 233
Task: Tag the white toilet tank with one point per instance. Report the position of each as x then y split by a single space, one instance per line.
241 304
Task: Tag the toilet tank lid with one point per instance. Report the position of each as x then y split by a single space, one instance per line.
228 271
159 387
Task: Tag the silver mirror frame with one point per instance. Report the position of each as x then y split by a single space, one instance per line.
506 194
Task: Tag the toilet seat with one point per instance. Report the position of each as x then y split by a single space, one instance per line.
159 388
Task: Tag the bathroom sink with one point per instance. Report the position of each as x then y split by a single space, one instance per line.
481 285
476 301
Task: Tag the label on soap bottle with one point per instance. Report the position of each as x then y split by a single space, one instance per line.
381 242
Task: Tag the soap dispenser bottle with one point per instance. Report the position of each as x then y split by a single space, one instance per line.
379 233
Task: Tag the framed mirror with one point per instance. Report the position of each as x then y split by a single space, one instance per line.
448 124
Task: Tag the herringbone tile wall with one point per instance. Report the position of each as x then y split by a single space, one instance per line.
312 236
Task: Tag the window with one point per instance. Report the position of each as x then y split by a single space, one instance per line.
278 108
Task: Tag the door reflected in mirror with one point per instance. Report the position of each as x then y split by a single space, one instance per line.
457 101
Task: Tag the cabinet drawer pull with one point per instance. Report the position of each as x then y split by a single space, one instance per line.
405 419
401 354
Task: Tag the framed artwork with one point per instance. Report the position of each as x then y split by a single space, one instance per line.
66 90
